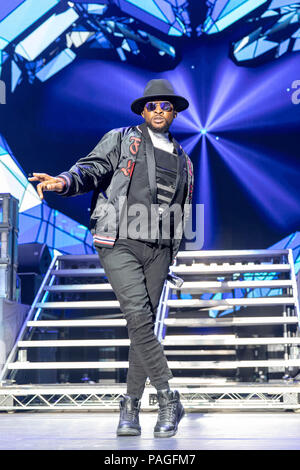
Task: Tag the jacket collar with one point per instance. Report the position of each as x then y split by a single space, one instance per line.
143 128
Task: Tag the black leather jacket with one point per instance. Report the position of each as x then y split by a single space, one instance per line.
107 170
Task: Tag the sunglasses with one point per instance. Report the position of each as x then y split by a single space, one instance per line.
164 106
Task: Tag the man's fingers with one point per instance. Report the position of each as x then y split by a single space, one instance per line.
40 188
54 186
39 177
42 175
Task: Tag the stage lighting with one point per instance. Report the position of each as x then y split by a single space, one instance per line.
203 131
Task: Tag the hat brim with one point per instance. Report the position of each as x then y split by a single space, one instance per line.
180 103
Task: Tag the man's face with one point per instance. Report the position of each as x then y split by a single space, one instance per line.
159 120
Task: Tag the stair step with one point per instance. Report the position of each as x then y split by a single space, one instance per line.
230 268
255 301
86 304
75 323
69 365
246 254
90 272
229 321
225 286
202 352
79 288
81 258
233 364
223 340
172 364
73 343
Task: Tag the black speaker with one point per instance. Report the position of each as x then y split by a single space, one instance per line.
33 258
30 284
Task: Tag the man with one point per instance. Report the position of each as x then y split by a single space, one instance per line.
140 169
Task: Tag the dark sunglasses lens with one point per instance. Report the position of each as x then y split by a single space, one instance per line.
151 106
166 106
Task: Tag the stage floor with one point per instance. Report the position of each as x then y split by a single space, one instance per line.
197 431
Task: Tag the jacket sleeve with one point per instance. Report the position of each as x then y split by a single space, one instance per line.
89 172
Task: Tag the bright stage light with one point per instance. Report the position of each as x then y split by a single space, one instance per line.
257 171
237 101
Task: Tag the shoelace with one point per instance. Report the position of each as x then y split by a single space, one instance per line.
167 412
129 414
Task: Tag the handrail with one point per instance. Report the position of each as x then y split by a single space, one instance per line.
13 352
294 284
162 310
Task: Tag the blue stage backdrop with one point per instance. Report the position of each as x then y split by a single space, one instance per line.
70 70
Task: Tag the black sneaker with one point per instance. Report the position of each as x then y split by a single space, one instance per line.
170 413
129 417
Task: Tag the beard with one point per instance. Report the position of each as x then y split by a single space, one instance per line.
159 130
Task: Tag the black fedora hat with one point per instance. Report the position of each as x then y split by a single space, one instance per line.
158 89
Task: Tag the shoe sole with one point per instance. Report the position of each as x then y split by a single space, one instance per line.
170 433
128 432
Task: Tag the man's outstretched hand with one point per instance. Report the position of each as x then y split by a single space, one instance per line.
47 183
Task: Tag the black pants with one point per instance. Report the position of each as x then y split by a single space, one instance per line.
137 272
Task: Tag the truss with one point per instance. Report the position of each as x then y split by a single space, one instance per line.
194 397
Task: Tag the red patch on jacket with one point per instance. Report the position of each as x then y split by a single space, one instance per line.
129 169
134 147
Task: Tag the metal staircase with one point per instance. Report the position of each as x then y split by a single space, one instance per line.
230 332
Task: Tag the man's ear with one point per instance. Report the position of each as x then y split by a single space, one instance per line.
142 114
175 114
